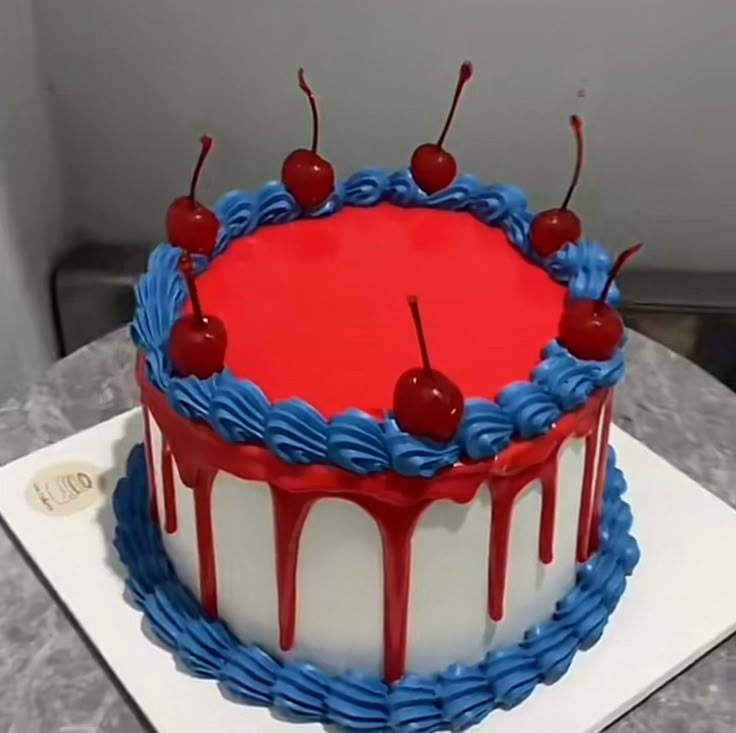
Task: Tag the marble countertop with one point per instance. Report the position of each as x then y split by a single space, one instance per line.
51 681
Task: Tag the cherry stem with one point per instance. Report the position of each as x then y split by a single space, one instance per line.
577 127
313 104
187 268
417 316
466 71
621 260
206 141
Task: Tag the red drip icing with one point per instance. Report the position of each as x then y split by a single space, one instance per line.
549 478
397 530
167 476
396 525
289 514
206 545
591 475
199 475
395 502
600 483
149 466
501 510
506 489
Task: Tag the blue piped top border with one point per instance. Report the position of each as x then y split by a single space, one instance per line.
296 431
454 699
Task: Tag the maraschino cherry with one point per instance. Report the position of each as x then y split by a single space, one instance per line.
432 167
592 329
553 229
198 341
427 403
190 224
308 177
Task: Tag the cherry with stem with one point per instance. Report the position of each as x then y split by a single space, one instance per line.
307 176
553 229
432 167
187 269
198 341
427 403
413 302
190 224
592 329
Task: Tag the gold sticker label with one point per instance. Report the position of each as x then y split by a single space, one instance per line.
66 488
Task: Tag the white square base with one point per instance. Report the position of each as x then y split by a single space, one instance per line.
678 604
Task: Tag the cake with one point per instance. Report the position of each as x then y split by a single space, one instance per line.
329 527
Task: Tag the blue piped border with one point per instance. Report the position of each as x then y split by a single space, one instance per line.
454 699
298 433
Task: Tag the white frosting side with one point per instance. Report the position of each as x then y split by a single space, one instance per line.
245 558
534 588
340 586
340 575
181 547
449 592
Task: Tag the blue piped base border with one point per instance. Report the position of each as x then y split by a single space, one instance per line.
454 699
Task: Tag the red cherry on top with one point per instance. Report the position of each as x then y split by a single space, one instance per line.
427 403
198 341
190 224
308 177
432 167
553 229
592 329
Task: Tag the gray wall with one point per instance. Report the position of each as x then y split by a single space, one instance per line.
30 206
135 83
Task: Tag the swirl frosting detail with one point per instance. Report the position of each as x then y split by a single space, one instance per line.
356 442
584 267
454 699
532 409
238 410
412 456
241 413
486 429
160 296
275 205
237 212
191 397
365 188
296 432
570 381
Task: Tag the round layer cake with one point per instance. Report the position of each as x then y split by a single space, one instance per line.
295 508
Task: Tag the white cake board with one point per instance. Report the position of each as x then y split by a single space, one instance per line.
679 603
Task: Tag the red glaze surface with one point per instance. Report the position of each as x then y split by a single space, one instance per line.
396 504
328 297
